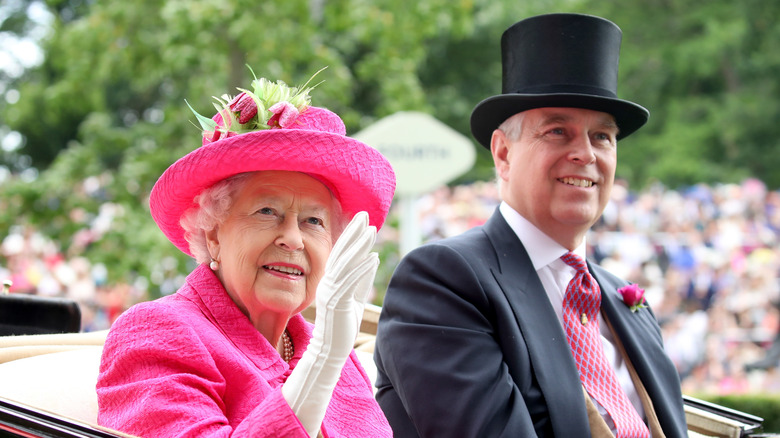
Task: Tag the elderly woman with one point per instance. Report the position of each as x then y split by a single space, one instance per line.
260 206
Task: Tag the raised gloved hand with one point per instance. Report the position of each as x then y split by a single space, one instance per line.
341 296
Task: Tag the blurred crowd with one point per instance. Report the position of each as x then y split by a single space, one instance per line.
708 257
35 265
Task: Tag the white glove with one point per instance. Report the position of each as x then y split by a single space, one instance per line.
341 295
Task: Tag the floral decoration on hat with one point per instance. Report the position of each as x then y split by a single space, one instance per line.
267 105
633 296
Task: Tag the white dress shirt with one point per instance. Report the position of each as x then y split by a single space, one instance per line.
555 274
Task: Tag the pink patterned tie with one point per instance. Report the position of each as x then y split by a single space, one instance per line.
581 306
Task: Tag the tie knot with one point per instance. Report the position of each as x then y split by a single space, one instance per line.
575 262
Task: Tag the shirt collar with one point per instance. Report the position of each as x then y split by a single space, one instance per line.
541 248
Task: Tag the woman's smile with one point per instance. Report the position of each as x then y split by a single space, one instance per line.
284 270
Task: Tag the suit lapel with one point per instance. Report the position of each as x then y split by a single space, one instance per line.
549 351
634 329
641 339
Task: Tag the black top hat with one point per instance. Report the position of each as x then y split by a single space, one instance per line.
558 60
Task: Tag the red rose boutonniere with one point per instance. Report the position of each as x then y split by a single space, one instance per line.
633 296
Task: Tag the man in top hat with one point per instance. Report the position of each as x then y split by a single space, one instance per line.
505 330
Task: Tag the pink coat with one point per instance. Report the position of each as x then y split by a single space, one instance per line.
191 364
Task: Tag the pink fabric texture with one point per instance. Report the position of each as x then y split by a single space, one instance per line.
191 364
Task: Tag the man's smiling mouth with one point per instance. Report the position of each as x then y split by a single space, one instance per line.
576 182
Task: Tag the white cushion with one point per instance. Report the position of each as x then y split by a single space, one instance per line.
62 383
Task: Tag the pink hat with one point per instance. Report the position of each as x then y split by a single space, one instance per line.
274 128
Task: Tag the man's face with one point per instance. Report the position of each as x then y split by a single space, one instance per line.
559 173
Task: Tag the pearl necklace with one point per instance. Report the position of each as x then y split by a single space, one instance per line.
289 350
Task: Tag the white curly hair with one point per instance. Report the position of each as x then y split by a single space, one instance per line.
213 206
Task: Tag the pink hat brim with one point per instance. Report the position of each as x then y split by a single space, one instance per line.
357 174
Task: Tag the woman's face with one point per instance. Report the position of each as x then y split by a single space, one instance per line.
274 243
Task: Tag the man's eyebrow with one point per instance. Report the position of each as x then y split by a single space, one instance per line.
554 118
607 122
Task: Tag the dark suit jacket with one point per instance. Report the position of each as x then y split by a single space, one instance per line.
468 345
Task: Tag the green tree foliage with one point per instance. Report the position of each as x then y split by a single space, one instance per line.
708 73
107 103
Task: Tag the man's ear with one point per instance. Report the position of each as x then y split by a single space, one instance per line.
499 148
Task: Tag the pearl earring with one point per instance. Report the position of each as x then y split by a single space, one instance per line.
214 265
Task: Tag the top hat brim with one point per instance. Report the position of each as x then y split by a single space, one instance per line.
493 111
